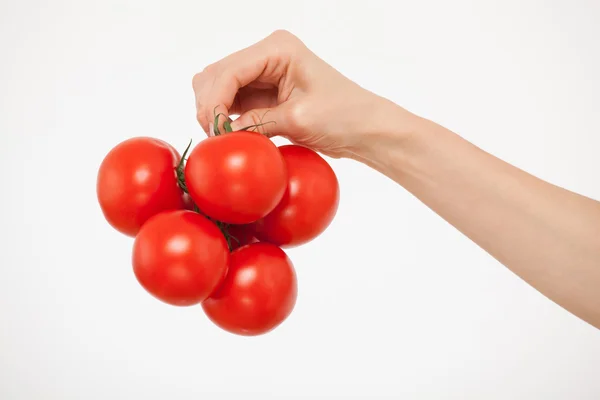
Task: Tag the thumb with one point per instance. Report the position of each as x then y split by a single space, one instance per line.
269 121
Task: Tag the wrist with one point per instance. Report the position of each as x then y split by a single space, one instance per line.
393 136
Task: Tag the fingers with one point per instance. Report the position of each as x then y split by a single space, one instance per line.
249 98
217 85
262 64
269 121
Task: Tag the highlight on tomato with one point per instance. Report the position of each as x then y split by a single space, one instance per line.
210 230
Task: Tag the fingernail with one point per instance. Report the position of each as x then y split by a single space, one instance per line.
211 131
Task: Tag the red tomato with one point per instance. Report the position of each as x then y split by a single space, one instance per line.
259 291
136 181
309 204
236 177
242 235
180 257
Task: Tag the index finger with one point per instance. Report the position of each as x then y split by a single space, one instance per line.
215 88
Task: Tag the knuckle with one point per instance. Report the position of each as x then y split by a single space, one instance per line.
285 39
199 79
208 69
196 79
282 34
297 117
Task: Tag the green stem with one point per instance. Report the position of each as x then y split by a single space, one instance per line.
180 169
257 125
227 123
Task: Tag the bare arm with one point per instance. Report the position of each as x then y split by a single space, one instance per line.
547 235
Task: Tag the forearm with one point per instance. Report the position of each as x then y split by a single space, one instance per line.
548 236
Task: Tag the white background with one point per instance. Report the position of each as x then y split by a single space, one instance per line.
393 302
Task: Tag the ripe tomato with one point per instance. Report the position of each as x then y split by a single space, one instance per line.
236 177
258 293
243 235
180 257
309 204
137 180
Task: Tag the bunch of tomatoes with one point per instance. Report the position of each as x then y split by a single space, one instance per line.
211 229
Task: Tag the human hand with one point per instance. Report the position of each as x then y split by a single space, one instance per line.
280 80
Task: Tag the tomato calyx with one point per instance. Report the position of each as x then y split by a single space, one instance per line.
180 171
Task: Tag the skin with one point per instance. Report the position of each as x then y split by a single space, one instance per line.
548 236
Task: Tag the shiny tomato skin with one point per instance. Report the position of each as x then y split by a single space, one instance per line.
309 203
137 180
180 257
242 235
259 291
237 177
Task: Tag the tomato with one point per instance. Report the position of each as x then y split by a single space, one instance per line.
137 180
242 235
237 177
309 204
180 257
259 291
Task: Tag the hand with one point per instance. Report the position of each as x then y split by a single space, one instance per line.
281 83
